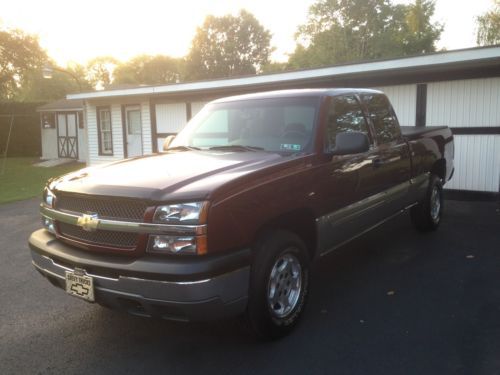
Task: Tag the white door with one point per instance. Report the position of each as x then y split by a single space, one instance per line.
133 131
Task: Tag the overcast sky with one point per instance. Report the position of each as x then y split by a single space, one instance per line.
78 31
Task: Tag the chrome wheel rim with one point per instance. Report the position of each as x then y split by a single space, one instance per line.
285 285
435 204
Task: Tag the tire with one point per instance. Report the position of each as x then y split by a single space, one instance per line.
426 216
279 283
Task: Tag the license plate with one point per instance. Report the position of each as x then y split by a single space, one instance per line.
80 286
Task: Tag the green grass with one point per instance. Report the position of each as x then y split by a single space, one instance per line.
22 180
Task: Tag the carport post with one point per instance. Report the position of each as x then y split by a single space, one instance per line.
2 171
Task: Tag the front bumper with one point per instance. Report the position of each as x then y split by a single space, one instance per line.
204 288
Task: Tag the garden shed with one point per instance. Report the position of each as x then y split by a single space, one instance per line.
62 127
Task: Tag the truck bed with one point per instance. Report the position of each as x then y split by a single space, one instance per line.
415 132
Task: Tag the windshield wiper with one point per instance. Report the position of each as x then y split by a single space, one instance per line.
182 148
236 148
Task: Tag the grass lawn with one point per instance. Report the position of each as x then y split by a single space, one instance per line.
22 180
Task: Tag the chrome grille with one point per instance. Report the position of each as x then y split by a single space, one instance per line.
99 237
108 208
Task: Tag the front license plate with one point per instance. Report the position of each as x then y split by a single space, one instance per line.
80 286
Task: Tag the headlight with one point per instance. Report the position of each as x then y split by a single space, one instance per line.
182 213
48 197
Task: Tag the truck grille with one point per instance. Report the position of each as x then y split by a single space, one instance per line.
109 208
99 237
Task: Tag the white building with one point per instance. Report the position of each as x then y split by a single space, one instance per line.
63 130
459 89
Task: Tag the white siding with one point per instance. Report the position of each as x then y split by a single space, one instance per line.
196 107
465 103
82 141
170 118
147 145
49 143
477 163
93 142
404 102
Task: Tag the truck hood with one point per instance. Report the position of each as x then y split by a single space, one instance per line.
170 176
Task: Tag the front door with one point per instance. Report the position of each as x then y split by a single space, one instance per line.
347 196
133 131
67 136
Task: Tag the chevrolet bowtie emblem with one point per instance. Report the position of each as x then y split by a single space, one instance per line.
88 222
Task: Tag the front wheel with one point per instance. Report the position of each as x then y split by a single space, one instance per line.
426 216
278 285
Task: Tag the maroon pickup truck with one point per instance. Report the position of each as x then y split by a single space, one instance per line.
227 220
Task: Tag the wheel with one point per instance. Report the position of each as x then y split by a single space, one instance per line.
426 215
279 284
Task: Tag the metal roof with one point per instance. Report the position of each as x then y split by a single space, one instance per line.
62 105
473 58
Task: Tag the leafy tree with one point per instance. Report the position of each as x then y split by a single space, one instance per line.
149 70
340 31
229 46
420 34
20 56
100 71
488 32
275 67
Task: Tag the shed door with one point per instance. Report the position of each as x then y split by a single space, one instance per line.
67 135
133 131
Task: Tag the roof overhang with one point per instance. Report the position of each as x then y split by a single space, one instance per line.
481 59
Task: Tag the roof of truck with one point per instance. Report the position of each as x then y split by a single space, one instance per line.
297 93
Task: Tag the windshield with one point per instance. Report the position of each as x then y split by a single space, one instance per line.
275 125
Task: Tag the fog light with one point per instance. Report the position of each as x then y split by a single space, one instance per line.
172 244
49 224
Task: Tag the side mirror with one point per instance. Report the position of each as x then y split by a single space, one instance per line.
167 142
351 143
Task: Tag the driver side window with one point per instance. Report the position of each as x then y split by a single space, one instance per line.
344 115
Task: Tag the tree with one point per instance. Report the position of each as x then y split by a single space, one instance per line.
488 26
36 88
20 56
340 31
229 46
100 71
149 70
420 34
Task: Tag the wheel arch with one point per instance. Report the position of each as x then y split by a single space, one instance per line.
301 222
439 169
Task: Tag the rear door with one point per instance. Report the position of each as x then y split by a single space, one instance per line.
390 159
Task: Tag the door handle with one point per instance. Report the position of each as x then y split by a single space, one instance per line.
377 163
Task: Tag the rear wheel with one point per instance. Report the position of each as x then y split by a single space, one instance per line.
278 285
426 216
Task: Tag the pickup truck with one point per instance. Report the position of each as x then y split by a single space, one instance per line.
228 218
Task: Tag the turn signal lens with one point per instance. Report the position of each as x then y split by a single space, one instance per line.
172 244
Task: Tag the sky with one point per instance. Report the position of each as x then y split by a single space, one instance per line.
77 31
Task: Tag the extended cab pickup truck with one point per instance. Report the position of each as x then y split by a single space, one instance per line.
227 220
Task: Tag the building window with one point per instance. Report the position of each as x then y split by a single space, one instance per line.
104 131
48 120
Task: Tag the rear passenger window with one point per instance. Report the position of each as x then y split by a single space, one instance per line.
345 115
382 116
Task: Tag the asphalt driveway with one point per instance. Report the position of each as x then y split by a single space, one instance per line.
391 302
